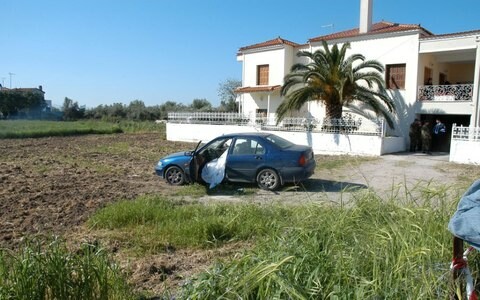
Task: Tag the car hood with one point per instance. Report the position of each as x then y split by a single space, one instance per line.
178 154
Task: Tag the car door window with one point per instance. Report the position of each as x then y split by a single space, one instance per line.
259 149
215 149
246 146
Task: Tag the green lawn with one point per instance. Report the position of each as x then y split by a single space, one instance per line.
35 129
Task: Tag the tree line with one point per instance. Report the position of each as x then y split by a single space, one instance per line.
21 103
17 104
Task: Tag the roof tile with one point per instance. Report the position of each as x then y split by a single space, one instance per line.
380 27
253 89
277 41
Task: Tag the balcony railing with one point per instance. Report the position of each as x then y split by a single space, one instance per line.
456 92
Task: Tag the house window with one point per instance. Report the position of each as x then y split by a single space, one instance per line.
395 77
262 75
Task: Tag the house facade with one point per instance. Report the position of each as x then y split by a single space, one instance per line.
429 76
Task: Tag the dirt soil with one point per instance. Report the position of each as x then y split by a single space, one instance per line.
52 185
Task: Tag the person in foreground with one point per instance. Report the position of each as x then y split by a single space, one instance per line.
465 226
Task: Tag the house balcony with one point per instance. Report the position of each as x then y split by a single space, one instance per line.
455 92
445 99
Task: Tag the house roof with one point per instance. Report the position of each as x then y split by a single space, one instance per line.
256 89
274 42
454 34
377 28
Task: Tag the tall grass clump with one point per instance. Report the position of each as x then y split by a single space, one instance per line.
36 129
52 272
371 249
152 223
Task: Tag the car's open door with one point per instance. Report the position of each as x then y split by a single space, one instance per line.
195 164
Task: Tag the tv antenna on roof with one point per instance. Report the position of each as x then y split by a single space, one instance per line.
332 26
10 73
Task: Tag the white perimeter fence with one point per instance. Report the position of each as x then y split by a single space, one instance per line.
342 136
347 124
465 145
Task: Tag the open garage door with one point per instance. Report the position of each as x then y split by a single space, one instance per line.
442 143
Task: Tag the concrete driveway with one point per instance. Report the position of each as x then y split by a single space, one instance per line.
402 175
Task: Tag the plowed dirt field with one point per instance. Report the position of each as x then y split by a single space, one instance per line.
51 185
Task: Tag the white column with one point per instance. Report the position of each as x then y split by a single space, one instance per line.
365 16
476 85
268 109
240 104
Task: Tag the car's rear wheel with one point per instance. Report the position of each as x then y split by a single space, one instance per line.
268 179
175 176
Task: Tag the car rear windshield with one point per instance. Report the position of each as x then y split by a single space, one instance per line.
280 142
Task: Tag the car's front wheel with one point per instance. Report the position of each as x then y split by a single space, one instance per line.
175 176
268 179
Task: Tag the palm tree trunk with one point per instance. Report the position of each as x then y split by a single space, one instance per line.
334 111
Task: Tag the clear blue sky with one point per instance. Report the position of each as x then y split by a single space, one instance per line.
105 51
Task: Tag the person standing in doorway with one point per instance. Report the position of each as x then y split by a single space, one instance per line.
439 134
426 137
415 135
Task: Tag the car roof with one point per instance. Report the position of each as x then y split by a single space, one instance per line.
260 134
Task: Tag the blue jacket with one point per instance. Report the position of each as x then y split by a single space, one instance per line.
465 223
439 129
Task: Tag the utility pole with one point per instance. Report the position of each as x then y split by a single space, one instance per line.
3 81
10 73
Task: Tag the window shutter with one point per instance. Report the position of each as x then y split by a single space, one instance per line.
262 74
395 77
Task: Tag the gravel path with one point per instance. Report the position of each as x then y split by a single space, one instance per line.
390 175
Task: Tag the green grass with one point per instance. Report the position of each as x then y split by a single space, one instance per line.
35 129
152 224
370 248
53 272
373 250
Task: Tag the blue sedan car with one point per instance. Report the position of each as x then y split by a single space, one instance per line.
264 158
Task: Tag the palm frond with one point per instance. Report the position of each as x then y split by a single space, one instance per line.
331 77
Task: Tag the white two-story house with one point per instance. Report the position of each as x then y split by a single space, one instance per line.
429 76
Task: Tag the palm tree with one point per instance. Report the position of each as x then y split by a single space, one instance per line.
336 81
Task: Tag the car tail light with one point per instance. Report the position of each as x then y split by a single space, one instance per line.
302 160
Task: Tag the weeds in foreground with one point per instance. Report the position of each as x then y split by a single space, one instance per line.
372 248
52 272
375 249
